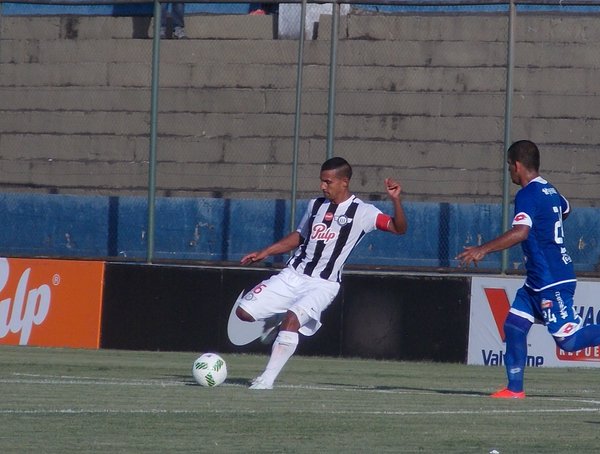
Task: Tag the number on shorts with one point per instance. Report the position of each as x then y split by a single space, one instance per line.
259 288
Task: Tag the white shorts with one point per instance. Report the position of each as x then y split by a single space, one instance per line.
291 291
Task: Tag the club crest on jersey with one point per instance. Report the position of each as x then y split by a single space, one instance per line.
321 232
343 219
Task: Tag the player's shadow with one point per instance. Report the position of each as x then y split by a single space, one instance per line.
437 391
189 380
407 388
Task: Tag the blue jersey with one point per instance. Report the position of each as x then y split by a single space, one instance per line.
540 206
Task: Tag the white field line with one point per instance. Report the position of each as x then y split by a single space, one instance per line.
83 411
21 378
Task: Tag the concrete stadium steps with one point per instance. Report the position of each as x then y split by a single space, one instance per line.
421 97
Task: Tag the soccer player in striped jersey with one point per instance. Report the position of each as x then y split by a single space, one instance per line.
547 295
330 229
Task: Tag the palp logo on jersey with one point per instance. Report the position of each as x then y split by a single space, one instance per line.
321 232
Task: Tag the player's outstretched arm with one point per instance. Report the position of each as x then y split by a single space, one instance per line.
398 223
286 244
474 254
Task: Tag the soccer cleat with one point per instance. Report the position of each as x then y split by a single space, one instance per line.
260 383
508 394
271 328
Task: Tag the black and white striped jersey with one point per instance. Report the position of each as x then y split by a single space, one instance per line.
330 232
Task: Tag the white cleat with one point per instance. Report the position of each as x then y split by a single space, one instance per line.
260 383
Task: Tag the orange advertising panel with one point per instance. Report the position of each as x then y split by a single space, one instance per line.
50 303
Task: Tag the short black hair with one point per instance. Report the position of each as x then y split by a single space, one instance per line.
526 152
340 165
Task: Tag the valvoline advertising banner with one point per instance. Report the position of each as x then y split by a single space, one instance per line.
491 298
50 303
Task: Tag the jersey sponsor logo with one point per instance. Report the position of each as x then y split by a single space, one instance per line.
321 232
520 217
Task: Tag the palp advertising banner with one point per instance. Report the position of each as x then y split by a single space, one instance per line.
50 303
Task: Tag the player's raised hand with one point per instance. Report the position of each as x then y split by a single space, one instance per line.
471 254
250 258
393 187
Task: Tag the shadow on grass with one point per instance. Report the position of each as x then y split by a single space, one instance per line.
189 380
408 389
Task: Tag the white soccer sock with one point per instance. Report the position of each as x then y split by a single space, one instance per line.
282 350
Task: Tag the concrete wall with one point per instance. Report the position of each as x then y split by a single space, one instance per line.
420 97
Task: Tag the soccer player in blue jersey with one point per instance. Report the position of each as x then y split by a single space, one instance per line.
328 232
547 295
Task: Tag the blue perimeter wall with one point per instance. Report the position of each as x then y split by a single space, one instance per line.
206 229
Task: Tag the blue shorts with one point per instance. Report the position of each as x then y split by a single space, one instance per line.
553 307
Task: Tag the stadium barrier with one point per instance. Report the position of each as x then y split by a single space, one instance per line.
377 314
216 230
72 303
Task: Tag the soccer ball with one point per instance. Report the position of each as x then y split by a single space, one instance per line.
209 370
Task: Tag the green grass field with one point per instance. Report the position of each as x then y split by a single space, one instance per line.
60 400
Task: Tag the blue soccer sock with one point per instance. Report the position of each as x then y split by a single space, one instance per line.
587 336
515 330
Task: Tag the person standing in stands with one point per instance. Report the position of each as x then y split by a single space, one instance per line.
177 13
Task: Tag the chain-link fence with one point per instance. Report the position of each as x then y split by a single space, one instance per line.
115 144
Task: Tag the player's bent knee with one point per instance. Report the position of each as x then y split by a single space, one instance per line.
566 343
515 322
243 315
290 322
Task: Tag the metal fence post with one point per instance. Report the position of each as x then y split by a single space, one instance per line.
153 127
297 118
335 16
510 66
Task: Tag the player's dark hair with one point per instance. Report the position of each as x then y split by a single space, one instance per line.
340 165
526 152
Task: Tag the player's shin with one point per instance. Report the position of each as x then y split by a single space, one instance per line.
515 330
283 349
